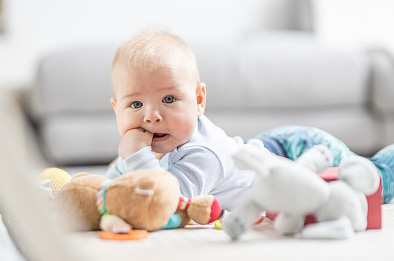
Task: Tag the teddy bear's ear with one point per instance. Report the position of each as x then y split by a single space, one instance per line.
81 174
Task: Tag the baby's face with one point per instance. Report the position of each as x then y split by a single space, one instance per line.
165 102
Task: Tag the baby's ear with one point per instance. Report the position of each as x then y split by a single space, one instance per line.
201 99
113 102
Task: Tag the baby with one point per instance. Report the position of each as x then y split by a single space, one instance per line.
159 105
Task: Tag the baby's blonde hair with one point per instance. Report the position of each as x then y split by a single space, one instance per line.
152 49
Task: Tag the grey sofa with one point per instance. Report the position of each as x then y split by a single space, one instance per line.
258 80
268 80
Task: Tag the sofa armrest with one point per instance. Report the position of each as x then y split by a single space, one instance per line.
382 79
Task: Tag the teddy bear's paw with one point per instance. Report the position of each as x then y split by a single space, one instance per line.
317 158
114 224
233 226
360 173
120 228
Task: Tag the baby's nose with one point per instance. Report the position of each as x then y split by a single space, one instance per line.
152 116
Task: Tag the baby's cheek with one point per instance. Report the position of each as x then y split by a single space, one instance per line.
124 125
187 131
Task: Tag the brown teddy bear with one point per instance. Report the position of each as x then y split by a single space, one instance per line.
143 199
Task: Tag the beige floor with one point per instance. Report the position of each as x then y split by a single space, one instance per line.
207 243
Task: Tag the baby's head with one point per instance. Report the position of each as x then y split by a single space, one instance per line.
157 87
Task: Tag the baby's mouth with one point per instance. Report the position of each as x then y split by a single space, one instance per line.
159 136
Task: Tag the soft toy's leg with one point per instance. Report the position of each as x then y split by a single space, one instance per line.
336 229
238 221
295 140
384 161
288 224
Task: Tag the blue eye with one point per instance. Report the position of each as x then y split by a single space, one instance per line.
169 99
136 105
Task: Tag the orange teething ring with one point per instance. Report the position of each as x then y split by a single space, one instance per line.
131 235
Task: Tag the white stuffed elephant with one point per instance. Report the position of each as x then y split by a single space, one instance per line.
294 190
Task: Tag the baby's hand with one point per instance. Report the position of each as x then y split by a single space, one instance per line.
134 140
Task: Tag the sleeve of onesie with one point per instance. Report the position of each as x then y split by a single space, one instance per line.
198 170
142 159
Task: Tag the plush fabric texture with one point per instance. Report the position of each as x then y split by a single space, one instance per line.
295 140
292 141
294 189
384 161
57 178
76 203
144 199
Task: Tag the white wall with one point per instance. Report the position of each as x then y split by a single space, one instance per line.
34 27
38 26
52 23
355 23
49 23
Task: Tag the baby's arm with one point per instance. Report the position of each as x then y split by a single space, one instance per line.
198 170
135 152
142 159
133 141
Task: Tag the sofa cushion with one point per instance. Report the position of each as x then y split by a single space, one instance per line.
74 80
352 124
382 81
289 71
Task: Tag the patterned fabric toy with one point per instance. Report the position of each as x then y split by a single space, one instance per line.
143 199
294 190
